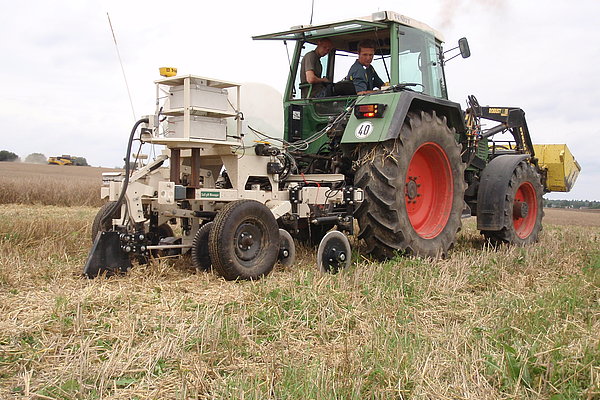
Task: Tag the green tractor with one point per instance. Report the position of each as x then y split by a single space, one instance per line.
422 162
403 161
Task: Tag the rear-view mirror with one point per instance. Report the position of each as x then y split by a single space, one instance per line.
463 45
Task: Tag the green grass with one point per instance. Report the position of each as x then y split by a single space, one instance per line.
507 323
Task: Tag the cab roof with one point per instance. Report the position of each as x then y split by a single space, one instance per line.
379 20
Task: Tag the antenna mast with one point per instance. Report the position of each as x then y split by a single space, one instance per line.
121 63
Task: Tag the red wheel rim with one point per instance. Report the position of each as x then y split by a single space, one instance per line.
429 190
525 209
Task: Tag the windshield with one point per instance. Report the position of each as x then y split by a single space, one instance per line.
418 61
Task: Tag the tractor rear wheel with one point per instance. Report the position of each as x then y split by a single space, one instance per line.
414 190
523 208
244 240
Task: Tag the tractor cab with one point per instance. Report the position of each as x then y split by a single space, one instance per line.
407 53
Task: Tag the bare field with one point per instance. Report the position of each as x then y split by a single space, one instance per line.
560 216
25 183
486 323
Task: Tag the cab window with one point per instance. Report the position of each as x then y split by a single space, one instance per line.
306 47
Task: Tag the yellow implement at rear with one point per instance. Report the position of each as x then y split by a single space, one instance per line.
562 169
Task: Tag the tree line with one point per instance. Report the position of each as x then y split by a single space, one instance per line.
572 204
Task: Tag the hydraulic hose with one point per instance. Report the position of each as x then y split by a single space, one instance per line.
119 201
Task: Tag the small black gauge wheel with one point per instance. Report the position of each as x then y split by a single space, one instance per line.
334 253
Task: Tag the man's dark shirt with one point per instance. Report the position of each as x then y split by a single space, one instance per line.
364 78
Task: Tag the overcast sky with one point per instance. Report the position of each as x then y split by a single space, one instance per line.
63 91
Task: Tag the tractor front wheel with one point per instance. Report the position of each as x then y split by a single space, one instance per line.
414 190
523 208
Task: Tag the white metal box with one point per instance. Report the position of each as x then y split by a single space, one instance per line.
201 96
200 128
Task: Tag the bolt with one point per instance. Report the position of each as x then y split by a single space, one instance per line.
286 253
342 257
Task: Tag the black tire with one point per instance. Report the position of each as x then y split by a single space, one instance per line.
200 253
244 240
163 231
157 234
414 190
107 225
523 208
287 249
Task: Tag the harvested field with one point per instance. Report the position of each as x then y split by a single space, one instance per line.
507 323
560 216
25 183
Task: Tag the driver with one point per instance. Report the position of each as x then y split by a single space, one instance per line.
362 73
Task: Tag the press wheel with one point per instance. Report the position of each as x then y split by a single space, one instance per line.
334 253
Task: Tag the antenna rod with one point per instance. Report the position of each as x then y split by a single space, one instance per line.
312 10
121 62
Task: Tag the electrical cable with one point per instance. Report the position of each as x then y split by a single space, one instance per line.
119 201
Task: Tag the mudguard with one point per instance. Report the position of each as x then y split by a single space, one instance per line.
492 190
398 104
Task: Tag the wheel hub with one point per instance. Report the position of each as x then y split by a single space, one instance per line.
412 188
336 256
520 209
334 253
248 241
525 210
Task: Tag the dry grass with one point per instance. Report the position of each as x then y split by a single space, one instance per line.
25 183
507 323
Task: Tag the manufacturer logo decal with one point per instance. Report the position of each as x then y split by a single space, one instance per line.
364 129
210 195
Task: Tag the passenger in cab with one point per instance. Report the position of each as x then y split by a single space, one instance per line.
311 82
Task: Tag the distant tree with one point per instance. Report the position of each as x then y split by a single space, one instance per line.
36 158
81 161
6 155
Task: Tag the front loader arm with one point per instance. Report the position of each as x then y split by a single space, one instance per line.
511 119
